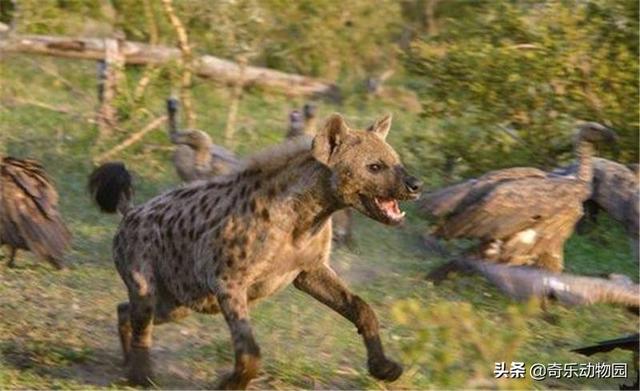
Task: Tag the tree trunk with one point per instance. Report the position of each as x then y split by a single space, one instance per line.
430 17
109 80
136 53
236 97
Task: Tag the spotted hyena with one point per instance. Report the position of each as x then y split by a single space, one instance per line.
218 245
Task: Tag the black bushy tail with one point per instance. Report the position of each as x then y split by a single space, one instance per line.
110 186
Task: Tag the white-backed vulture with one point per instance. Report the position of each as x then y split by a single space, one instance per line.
196 156
29 216
522 216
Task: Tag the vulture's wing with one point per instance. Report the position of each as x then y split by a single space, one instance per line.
525 282
616 191
31 204
630 342
505 208
447 200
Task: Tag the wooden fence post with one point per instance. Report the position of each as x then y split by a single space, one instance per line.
109 74
236 97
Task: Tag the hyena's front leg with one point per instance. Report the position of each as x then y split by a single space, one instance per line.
324 285
247 353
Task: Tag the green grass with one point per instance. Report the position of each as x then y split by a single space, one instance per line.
57 329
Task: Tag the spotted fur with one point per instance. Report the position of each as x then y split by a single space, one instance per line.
220 244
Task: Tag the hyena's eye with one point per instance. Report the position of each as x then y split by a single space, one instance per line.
375 167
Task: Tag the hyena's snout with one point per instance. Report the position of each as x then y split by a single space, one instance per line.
408 187
412 185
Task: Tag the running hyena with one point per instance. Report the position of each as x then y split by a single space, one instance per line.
218 245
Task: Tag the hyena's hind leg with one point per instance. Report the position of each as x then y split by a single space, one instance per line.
135 319
234 307
166 310
124 329
141 314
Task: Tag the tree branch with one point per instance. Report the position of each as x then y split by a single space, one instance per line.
137 53
131 139
186 62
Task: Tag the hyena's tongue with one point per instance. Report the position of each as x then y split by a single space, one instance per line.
390 207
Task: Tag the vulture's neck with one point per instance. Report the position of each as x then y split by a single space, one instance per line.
584 153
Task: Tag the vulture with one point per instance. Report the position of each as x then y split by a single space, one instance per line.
195 156
29 216
631 343
521 216
310 120
296 124
302 123
614 190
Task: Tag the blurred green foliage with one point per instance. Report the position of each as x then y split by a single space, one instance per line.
314 37
509 83
448 338
500 83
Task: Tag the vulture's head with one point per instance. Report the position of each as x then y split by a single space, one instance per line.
196 139
595 133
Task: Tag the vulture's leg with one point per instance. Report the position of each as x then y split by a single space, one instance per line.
12 256
442 272
589 219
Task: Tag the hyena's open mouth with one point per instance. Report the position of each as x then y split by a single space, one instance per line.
385 210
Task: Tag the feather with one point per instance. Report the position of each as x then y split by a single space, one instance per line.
29 216
521 215
523 282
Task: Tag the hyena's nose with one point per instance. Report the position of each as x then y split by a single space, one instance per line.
413 184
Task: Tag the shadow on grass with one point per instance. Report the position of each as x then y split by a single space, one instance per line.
92 367
96 367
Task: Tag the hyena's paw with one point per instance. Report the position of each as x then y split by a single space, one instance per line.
140 373
231 381
239 380
385 369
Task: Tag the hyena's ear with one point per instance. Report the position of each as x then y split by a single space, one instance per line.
381 127
328 138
